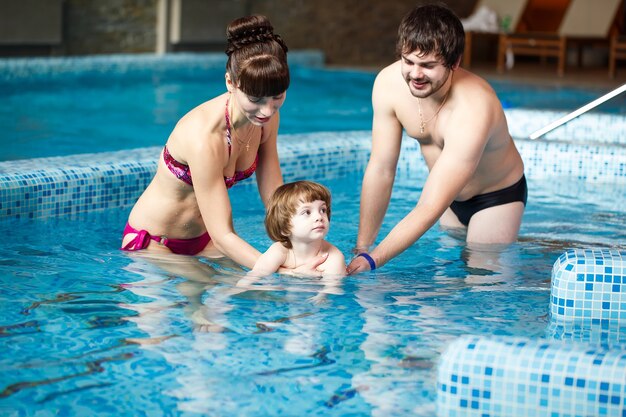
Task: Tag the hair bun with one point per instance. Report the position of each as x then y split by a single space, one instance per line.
250 30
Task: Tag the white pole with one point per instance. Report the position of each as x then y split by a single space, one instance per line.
578 112
162 24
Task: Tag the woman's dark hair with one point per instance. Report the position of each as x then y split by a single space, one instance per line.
432 28
257 58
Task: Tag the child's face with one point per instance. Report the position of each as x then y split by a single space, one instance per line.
310 222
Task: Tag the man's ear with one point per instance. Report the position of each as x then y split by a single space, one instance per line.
457 64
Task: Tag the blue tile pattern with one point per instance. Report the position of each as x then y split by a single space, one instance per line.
515 377
588 297
589 285
589 128
74 184
66 186
591 162
603 333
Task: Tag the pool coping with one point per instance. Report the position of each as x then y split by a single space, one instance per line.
68 185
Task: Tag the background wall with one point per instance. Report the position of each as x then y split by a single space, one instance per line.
112 26
350 32
359 32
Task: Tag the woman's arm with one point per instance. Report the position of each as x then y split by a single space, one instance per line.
270 261
207 158
268 174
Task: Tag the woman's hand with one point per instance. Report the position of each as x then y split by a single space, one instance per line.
310 268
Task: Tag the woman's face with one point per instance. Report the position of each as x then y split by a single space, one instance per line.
258 110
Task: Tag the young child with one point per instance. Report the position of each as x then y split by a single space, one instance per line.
298 219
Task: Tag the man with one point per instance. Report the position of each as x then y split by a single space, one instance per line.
476 175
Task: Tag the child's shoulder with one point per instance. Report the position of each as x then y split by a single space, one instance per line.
278 247
332 250
277 251
335 264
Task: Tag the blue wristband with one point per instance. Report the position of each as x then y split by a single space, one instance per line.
369 260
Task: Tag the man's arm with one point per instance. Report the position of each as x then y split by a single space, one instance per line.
446 180
381 168
466 133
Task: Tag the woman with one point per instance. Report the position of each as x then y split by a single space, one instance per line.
186 208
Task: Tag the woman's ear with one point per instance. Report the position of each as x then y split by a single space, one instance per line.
229 83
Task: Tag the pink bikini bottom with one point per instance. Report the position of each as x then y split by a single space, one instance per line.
180 246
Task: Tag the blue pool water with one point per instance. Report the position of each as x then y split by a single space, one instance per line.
89 330
86 329
86 109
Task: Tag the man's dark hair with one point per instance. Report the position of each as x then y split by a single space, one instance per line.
432 28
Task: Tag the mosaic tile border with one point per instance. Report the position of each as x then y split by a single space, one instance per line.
65 186
56 186
591 162
516 377
610 334
589 285
589 128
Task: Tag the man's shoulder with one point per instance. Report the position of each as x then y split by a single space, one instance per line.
390 70
469 81
388 82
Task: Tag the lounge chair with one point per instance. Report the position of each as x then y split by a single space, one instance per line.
508 14
579 21
617 51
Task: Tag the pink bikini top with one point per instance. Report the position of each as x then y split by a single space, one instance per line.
183 173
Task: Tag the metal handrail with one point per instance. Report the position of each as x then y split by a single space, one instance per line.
576 113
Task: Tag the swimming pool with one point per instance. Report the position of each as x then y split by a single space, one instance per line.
66 106
87 329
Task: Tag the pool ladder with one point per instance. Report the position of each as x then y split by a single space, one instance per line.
576 113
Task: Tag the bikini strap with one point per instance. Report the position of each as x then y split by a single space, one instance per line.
229 139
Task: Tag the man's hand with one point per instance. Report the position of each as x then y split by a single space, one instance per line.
360 249
358 264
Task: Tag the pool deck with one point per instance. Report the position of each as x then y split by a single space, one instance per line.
538 73
545 74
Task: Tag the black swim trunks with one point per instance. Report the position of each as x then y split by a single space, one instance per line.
464 210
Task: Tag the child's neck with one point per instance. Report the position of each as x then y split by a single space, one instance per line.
306 251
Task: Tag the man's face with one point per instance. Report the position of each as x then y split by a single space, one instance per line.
424 74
